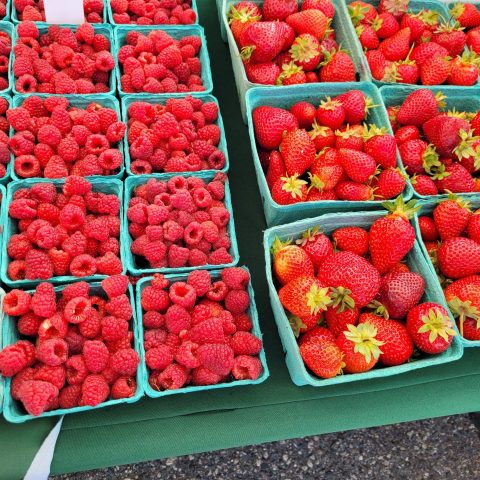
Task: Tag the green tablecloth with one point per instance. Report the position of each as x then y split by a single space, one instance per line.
184 424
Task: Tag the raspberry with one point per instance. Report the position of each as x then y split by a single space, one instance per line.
52 352
200 280
216 357
95 390
220 257
96 355
77 289
76 186
237 301
54 375
13 359
120 307
17 381
27 29
208 331
193 233
114 329
16 302
197 258
154 338
217 292
159 358
36 396
115 285
177 256
182 294
173 377
210 111
177 319
153 299
69 396
124 387
243 322
16 270
125 361
22 208
246 368
236 278
77 310
74 340
44 302
109 264
204 376
90 328
28 324
244 343
153 319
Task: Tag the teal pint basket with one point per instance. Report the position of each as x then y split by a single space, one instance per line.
460 98
416 261
426 208
285 97
177 32
108 7
223 30
343 36
159 100
8 14
104 185
252 312
130 184
9 168
7 27
100 28
14 413
82 101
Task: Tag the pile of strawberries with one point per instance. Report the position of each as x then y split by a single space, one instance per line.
74 231
158 63
468 18
180 223
198 331
5 50
452 238
62 61
76 350
180 136
358 304
34 11
440 149
54 139
326 152
153 12
407 47
4 137
284 44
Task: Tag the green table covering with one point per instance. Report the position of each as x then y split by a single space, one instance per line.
184 424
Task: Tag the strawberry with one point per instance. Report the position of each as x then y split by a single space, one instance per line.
276 168
447 133
289 190
428 229
360 347
313 22
475 124
418 107
351 239
466 15
323 357
359 166
290 261
430 327
464 70
390 183
338 318
263 73
415 23
325 6
270 123
451 217
459 257
303 325
392 236
396 7
316 245
407 71
473 229
425 51
367 36
291 74
355 105
455 178
315 195
278 9
326 170
241 15
361 12
377 63
353 191
337 67
397 345
322 136
330 113
381 146
450 37
409 132
435 71
349 137
298 151
304 296
385 25
261 42
304 113
316 333
353 277
418 156
397 46
306 52
473 41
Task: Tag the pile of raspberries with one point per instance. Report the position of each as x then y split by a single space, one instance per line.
158 63
62 61
179 223
54 139
198 331
180 136
34 11
4 137
74 231
153 12
77 349
5 50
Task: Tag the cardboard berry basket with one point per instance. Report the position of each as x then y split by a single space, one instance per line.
104 185
129 258
343 36
111 21
416 262
100 28
8 14
276 214
82 101
7 27
6 178
127 100
223 30
12 410
426 208
177 32
252 312
458 98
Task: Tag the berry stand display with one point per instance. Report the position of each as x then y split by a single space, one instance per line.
276 409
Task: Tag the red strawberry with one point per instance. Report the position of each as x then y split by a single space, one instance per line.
409 132
430 327
450 37
289 190
315 195
451 217
390 183
278 9
359 166
466 15
306 52
473 41
459 257
418 156
338 318
435 71
415 23
473 229
322 136
316 333
263 73
418 107
353 191
464 70
241 15
351 239
262 41
386 25
326 170
298 151
455 178
349 137
330 113
377 63
313 22
326 6
303 325
337 67
361 12
305 114
323 357
447 133
355 105
316 245
270 123
290 261
367 36
291 74
276 168
397 46
381 146
425 51
428 229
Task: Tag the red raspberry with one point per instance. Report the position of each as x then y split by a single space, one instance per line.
76 186
16 302
69 396
77 289
173 377
120 307
193 234
114 329
125 361
74 340
83 266
95 390
96 355
38 265
237 301
17 381
77 309
16 270
246 368
90 328
158 358
186 354
153 319
13 359
44 301
154 338
28 324
208 331
115 285
244 343
177 256
155 299
182 294
204 376
124 387
27 29
36 396
18 246
109 264
177 319
53 352
197 258
210 111
243 322
181 108
216 357
54 375
236 278
22 208
220 257
209 133
200 280
217 292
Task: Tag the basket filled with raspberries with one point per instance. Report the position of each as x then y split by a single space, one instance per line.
174 135
438 137
290 43
61 230
6 157
70 348
412 42
167 59
450 233
63 60
153 12
81 135
178 223
353 293
200 331
6 76
320 153
34 11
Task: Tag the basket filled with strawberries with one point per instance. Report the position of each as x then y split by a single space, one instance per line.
322 152
290 43
412 42
353 293
70 349
467 16
438 137
200 331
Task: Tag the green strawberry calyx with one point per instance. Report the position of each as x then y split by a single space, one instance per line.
457 10
243 15
391 74
293 185
317 299
349 132
465 204
431 159
319 130
329 104
463 310
309 236
304 49
370 131
436 324
399 208
288 70
364 339
315 182
246 52
296 323
439 173
278 245
466 146
357 12
379 309
342 299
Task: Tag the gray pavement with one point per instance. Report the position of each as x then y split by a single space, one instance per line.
444 448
